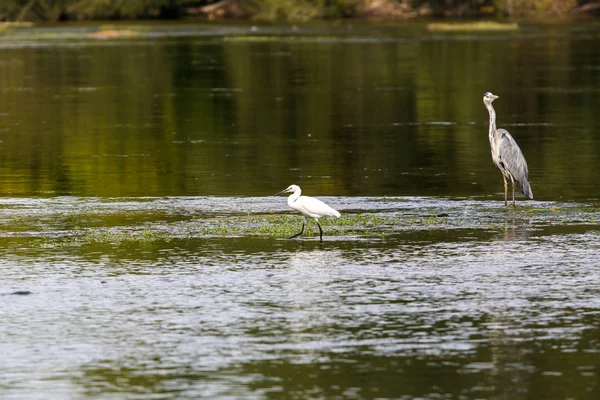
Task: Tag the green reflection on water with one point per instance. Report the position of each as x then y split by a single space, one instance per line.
394 114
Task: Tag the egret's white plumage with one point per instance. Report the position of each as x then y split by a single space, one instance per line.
309 207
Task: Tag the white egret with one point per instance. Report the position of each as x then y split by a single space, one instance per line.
309 207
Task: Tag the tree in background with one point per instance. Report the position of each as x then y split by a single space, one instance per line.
56 10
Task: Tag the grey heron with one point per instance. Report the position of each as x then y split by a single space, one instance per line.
309 207
507 155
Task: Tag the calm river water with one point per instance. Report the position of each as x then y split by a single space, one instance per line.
139 250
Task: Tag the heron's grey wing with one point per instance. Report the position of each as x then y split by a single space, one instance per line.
514 162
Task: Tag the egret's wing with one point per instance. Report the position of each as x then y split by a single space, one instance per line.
513 161
317 207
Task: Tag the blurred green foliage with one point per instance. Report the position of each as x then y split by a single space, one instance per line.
55 10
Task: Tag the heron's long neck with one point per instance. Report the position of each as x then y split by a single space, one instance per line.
492 121
294 196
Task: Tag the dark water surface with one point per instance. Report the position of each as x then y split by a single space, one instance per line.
367 110
139 253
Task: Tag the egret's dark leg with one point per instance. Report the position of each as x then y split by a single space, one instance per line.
301 232
505 190
320 230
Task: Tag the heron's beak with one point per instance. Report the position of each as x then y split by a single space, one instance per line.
494 96
280 192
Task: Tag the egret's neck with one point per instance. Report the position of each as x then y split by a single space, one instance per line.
492 120
294 196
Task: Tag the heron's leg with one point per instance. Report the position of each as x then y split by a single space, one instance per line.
512 180
301 232
505 190
320 230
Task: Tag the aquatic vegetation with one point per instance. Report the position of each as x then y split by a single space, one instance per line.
473 26
111 236
382 221
105 236
367 224
373 225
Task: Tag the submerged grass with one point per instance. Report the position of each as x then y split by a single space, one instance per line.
109 236
103 236
367 225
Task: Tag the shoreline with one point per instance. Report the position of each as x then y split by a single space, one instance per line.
304 11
